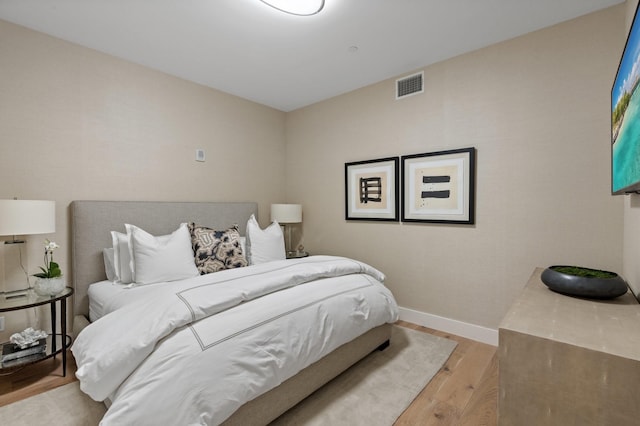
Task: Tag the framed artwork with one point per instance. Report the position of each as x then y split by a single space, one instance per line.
439 187
371 189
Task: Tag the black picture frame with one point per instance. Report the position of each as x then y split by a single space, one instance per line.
439 187
371 189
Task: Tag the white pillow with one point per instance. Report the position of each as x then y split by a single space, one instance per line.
121 258
243 246
264 245
109 267
163 258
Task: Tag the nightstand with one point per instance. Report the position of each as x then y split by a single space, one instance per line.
296 254
56 343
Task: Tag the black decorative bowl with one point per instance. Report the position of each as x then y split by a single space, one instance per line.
584 282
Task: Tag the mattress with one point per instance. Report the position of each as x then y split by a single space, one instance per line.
99 294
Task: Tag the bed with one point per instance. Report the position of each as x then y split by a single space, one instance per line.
91 224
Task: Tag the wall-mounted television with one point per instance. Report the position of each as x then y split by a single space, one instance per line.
625 117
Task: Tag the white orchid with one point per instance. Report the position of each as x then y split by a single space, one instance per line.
51 269
50 246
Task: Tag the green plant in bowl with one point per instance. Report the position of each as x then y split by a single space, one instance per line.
584 272
584 282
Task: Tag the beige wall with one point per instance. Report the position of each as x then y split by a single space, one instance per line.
631 268
537 110
78 124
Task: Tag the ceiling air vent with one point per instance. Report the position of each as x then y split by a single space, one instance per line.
410 85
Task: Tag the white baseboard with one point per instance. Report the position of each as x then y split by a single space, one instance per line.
459 328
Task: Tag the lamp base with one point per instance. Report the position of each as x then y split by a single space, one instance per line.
13 267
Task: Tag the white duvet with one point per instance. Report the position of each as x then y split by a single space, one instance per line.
194 351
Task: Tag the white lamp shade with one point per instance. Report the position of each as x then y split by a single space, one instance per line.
26 217
286 213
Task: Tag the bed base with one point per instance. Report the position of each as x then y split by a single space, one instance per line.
384 345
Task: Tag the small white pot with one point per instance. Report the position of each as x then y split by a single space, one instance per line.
49 286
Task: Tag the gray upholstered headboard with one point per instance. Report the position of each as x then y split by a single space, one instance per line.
92 222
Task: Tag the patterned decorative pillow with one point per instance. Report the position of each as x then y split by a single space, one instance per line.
216 250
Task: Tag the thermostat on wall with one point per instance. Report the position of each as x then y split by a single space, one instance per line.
199 154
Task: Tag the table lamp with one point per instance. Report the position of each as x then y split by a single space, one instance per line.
286 214
21 217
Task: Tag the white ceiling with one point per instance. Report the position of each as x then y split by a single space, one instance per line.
251 50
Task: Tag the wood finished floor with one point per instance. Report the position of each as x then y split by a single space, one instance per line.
464 392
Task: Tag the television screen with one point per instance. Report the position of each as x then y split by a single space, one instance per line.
625 117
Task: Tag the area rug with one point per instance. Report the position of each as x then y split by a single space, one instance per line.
373 392
376 390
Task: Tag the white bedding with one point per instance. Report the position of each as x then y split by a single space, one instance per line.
102 294
194 351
